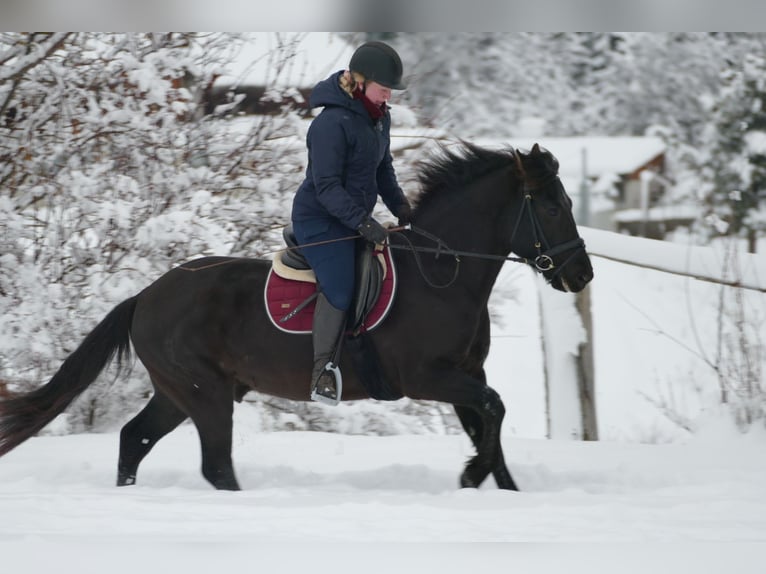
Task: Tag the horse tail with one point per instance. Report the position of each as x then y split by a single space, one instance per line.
22 416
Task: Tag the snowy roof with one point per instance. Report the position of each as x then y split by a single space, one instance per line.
660 213
604 154
307 59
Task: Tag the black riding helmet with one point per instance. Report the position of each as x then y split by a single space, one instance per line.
380 63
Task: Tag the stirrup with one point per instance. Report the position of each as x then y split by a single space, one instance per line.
315 396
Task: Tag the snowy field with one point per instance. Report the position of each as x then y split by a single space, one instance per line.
694 507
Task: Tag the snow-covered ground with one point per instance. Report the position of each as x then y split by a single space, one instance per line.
303 491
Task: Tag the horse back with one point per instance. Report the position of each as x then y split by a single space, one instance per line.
196 306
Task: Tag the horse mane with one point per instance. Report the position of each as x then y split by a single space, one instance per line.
448 171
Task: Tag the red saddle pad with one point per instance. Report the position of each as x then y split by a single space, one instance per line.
282 296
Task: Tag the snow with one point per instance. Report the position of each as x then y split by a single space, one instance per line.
659 213
316 56
700 261
756 142
306 491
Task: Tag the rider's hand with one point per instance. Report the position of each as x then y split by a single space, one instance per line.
372 231
404 213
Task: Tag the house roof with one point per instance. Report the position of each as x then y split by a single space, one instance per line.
307 59
603 155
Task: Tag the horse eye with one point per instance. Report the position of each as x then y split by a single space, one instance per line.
553 211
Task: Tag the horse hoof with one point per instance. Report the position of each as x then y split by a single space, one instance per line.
469 479
227 486
467 483
127 480
473 476
223 481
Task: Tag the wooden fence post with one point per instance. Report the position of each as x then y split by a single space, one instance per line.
585 369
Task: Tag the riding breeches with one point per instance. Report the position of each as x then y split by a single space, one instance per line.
333 262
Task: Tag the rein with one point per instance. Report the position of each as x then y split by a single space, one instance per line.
541 263
443 248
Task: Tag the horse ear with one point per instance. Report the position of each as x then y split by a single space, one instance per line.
519 164
535 149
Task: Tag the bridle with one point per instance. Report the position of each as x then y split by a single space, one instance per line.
545 252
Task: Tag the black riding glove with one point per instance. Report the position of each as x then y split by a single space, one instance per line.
404 213
372 231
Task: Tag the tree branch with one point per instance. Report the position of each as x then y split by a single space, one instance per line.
53 42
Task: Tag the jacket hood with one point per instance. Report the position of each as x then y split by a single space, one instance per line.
329 93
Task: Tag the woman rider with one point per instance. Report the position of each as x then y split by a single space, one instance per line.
349 165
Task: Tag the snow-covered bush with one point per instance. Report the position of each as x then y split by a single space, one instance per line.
110 175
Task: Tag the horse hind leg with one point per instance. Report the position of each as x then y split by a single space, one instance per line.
208 399
210 412
215 432
139 435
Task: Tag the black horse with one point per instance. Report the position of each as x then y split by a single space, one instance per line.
202 333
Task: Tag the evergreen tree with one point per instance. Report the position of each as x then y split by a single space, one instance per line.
734 169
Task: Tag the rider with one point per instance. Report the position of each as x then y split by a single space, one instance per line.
349 165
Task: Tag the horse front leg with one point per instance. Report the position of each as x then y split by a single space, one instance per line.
471 395
470 418
474 426
489 452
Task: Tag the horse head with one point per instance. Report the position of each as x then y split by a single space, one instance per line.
545 231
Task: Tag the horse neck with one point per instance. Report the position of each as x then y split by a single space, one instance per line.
477 219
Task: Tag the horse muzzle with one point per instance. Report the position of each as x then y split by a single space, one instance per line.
573 272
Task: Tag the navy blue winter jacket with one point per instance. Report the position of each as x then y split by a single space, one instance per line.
349 161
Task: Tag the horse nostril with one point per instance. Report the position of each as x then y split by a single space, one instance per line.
586 277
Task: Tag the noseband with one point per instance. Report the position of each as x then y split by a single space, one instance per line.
545 252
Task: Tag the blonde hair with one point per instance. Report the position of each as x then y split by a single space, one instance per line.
349 81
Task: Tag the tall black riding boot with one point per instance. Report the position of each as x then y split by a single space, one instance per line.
329 323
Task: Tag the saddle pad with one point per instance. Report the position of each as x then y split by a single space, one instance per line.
283 295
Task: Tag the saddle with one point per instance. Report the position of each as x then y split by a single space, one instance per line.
291 291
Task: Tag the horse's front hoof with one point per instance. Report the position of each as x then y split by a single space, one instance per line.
467 482
126 479
473 476
504 480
